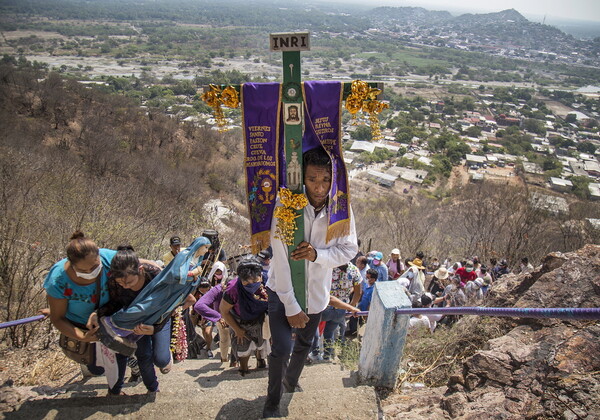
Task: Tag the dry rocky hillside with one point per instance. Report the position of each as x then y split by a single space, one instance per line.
541 369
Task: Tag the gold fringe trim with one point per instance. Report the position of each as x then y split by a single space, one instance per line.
338 229
260 241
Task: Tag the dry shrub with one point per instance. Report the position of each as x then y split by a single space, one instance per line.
432 358
54 366
347 352
116 173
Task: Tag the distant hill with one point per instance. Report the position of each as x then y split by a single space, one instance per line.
504 29
409 15
512 28
505 16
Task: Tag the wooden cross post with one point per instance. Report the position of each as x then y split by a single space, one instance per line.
291 44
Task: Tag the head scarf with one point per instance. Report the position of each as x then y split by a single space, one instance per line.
219 265
251 305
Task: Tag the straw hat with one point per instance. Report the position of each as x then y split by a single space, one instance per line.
417 263
441 273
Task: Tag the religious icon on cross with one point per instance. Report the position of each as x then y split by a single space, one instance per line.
292 114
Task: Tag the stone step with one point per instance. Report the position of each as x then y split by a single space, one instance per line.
202 389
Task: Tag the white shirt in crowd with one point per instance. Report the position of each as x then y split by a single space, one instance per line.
416 322
318 273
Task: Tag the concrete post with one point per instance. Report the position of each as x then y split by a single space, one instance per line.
385 335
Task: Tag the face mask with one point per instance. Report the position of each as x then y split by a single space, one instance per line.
469 270
253 287
218 276
89 276
376 262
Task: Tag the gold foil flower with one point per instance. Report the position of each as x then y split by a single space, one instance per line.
359 88
230 97
211 97
215 97
364 98
286 214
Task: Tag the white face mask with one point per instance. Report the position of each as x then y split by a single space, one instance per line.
89 276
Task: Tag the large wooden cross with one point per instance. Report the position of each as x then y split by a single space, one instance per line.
291 44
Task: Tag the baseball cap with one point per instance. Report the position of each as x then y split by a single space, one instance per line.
265 254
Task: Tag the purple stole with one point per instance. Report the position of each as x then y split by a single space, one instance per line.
323 127
261 109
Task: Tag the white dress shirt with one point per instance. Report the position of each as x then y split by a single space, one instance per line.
336 252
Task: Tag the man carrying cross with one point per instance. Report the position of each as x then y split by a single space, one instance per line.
309 235
285 313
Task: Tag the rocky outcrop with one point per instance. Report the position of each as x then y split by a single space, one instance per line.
542 368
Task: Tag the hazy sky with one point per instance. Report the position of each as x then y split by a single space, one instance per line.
569 9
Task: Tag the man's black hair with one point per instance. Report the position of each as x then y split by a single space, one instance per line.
373 273
362 259
426 300
249 268
316 157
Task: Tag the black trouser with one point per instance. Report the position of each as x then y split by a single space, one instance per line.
281 365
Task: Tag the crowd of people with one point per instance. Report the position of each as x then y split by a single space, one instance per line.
232 296
152 313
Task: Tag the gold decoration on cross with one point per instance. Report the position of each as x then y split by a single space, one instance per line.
364 98
230 97
286 214
217 97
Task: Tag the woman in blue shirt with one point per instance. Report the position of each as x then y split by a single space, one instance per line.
71 289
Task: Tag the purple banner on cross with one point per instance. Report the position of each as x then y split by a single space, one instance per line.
323 128
261 109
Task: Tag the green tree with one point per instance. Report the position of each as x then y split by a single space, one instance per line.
581 186
473 131
441 142
534 126
362 132
184 87
586 147
442 165
571 118
550 163
456 151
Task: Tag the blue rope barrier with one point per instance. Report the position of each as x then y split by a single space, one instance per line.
557 313
21 321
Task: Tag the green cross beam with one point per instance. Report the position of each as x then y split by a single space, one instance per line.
291 44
